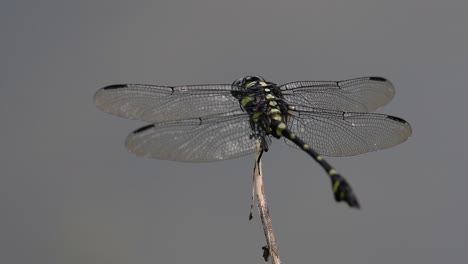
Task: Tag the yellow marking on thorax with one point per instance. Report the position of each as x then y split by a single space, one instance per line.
274 111
276 117
247 100
256 116
250 84
263 84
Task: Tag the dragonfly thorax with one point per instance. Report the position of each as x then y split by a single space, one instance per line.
263 102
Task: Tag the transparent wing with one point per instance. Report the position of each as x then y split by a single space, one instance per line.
152 103
336 133
355 95
194 140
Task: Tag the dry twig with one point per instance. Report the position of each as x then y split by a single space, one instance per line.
270 250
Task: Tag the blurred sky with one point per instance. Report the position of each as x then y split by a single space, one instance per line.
71 193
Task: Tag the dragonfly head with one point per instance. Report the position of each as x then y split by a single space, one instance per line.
248 82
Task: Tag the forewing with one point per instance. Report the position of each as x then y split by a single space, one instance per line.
364 94
335 133
152 103
194 140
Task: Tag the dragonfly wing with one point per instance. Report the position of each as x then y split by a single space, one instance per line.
152 103
335 133
364 94
194 140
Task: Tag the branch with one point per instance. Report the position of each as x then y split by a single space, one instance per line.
270 249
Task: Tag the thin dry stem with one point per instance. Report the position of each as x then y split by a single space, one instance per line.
271 250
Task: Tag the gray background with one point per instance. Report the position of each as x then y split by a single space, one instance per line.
70 192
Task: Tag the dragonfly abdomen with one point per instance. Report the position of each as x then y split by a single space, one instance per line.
341 188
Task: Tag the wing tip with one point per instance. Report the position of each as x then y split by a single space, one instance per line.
397 119
378 79
390 89
142 129
99 97
114 87
408 130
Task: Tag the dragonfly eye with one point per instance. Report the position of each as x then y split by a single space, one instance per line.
242 82
254 78
237 83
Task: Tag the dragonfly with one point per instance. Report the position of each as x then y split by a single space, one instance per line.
213 122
